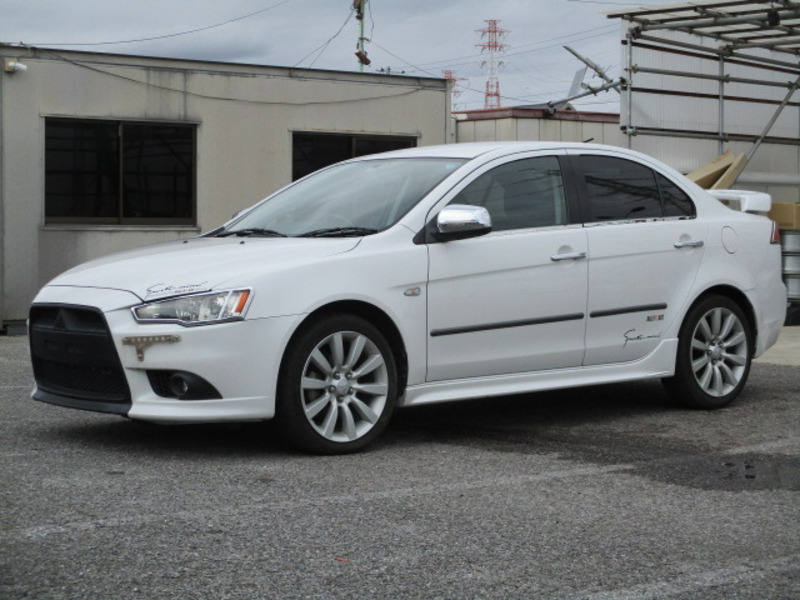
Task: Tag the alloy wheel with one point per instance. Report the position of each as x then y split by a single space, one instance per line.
344 386
719 351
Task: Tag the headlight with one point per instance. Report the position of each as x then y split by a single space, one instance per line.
197 309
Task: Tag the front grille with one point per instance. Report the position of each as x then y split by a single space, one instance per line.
74 356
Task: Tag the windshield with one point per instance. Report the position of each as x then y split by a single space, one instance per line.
348 199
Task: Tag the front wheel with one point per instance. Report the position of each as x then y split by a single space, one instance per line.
714 355
338 386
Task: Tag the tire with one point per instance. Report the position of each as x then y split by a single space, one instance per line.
338 386
715 349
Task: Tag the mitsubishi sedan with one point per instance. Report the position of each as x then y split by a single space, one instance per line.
418 276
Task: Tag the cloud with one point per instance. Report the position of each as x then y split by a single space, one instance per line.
419 37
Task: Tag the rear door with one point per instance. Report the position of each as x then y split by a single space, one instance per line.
513 300
645 248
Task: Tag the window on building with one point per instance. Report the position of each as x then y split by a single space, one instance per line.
313 151
119 172
520 194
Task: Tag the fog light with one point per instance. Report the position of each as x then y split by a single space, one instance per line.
178 385
181 385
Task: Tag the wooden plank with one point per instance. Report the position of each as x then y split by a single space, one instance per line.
707 175
728 178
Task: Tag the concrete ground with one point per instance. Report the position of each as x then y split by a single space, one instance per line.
787 350
601 493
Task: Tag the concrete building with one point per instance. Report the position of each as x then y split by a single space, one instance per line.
102 152
538 124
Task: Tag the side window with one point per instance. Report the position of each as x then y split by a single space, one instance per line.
618 189
521 194
119 172
674 200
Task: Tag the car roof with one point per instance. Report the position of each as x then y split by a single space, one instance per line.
472 150
469 150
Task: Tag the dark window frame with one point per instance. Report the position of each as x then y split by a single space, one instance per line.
114 198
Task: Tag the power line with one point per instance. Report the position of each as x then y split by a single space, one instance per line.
540 48
169 35
405 62
470 57
467 88
321 48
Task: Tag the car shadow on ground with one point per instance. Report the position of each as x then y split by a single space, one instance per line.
512 417
234 440
536 421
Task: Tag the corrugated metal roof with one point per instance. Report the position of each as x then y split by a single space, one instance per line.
736 24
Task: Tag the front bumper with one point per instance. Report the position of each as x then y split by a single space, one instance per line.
240 360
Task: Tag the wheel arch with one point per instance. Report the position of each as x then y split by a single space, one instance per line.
737 296
713 389
376 317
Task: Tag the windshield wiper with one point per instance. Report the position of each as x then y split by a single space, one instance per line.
251 231
339 232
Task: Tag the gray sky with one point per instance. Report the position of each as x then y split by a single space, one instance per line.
418 37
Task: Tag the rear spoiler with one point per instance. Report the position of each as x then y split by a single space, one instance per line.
743 200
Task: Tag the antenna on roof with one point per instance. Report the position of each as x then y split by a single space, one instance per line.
593 66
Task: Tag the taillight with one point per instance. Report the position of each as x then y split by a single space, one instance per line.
776 235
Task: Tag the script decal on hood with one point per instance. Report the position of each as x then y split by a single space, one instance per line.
165 290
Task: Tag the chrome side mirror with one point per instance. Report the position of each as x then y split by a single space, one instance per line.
460 221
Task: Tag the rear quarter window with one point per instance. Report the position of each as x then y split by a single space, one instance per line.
675 201
617 189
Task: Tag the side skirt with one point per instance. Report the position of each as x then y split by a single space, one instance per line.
659 363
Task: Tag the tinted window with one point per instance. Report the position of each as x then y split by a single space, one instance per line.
118 172
525 193
157 171
617 189
81 170
674 200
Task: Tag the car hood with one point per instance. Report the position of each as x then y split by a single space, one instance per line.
198 264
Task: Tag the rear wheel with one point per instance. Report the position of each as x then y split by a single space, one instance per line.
714 355
338 386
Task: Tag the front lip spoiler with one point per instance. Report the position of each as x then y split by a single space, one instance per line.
117 408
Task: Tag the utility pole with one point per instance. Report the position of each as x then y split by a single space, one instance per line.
493 46
360 6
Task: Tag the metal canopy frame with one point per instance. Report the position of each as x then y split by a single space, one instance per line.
736 24
761 36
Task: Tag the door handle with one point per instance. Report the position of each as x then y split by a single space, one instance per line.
568 256
691 244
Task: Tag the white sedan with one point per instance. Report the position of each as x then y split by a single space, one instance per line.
419 276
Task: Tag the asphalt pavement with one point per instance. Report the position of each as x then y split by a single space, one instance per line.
601 493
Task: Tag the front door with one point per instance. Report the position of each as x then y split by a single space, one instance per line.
514 300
